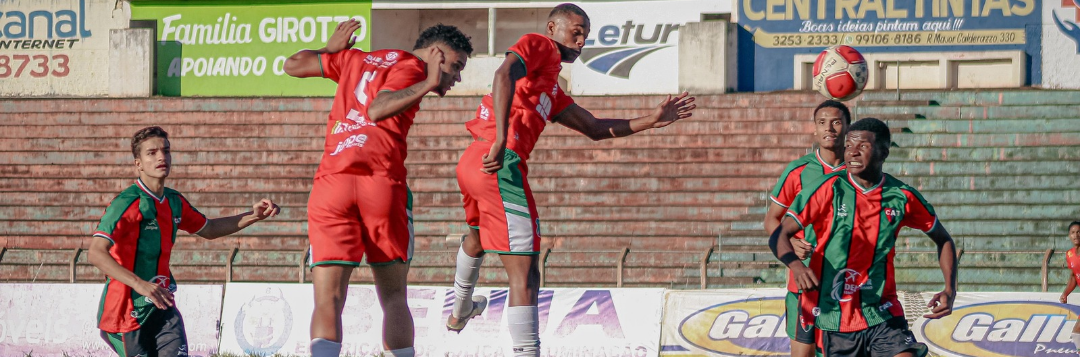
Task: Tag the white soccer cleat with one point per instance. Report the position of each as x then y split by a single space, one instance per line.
480 304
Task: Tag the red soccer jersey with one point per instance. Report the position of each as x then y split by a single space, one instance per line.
142 228
1073 260
537 97
354 143
855 235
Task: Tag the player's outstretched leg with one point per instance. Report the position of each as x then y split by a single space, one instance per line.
522 314
331 283
390 284
466 306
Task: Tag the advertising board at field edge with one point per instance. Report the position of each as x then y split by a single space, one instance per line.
633 48
56 48
772 33
274 318
238 48
1061 44
1002 325
59 320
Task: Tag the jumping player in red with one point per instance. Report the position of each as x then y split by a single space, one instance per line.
359 205
492 173
849 291
831 120
1072 259
133 244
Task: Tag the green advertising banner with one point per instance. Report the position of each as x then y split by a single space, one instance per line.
238 48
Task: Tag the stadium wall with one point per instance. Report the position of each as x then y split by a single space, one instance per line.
69 47
268 319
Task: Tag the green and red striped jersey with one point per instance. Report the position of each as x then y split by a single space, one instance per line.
1073 261
142 229
854 237
808 168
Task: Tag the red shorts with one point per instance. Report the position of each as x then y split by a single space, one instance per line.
500 205
350 216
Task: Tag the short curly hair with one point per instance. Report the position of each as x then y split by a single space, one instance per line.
837 105
882 135
447 35
145 134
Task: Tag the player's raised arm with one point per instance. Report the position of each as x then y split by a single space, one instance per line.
667 112
306 63
220 227
780 244
390 103
502 95
942 303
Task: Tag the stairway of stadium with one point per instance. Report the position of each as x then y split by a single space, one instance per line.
657 209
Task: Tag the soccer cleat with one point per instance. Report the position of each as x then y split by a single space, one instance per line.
479 305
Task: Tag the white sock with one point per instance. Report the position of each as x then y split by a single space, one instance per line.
524 330
1076 340
468 271
325 348
401 352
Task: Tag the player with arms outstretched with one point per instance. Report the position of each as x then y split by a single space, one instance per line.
492 173
132 246
831 120
359 205
849 291
1072 259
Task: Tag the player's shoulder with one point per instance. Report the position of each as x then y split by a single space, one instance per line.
800 162
390 57
893 183
536 41
824 182
128 196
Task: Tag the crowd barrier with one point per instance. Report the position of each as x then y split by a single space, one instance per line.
266 319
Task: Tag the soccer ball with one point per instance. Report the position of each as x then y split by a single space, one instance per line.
840 72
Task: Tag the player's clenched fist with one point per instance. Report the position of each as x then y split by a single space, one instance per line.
265 209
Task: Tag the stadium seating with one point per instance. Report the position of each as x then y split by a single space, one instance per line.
658 209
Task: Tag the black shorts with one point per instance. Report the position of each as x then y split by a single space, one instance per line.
795 332
161 335
882 340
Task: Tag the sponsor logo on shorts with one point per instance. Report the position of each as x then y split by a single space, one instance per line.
264 323
846 283
1005 328
739 328
357 140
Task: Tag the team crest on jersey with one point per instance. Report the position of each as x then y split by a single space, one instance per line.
176 220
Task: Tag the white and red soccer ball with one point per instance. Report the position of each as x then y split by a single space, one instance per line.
840 73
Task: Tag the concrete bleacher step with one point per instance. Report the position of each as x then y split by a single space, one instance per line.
978 97
977 113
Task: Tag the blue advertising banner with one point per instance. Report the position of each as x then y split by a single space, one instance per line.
772 32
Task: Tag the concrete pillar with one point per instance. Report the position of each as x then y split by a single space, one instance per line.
130 62
707 59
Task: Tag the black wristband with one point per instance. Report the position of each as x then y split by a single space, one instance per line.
788 258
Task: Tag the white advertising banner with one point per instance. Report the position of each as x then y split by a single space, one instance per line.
47 320
745 322
274 318
56 47
633 46
1061 44
1000 325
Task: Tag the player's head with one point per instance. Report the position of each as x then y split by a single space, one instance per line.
568 25
153 157
456 48
867 146
831 121
1074 233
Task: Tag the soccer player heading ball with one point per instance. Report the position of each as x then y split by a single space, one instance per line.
848 291
493 174
132 246
359 205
